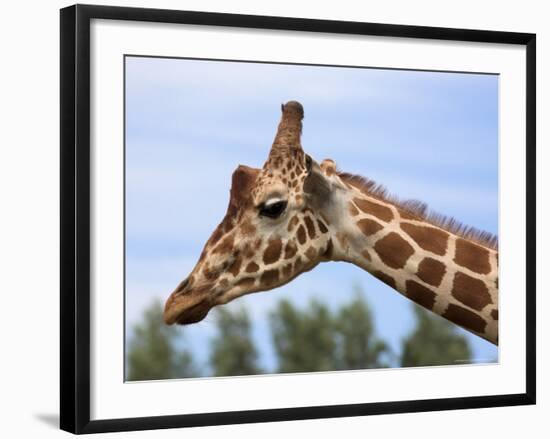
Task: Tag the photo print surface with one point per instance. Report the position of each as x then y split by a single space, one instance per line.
298 218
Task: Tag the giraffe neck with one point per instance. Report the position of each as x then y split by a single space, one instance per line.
446 273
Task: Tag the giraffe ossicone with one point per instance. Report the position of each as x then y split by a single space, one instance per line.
291 215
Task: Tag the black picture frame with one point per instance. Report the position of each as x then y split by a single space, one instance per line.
75 217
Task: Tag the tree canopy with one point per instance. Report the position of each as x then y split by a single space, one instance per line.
317 339
305 341
359 347
152 354
232 350
312 338
434 341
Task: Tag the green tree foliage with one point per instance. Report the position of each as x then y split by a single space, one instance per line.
315 339
305 341
434 341
359 348
152 354
233 351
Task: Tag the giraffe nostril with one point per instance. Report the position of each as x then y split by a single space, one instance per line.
182 286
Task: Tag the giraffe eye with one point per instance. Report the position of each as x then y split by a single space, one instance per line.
273 210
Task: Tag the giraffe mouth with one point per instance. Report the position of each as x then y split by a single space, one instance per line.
184 310
193 315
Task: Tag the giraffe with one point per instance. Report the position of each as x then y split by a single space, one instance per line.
294 213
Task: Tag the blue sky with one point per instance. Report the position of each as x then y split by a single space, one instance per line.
189 123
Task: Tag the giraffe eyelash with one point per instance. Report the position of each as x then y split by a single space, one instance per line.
270 202
273 208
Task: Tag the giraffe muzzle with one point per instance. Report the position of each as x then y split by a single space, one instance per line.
185 306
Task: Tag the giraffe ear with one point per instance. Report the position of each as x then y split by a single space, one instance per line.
242 181
316 185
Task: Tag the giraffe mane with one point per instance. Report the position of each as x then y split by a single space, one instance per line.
421 211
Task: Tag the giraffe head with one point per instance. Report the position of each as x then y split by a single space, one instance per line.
277 226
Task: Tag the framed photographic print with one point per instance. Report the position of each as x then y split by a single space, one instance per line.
276 218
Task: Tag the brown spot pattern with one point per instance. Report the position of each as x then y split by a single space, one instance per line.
235 266
248 228
210 275
269 277
429 238
252 267
431 271
225 246
290 250
273 251
246 282
328 250
292 223
301 234
352 210
287 270
248 251
494 314
369 227
420 294
472 256
310 227
322 226
393 250
311 253
298 264
382 212
386 278
465 318
471 291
